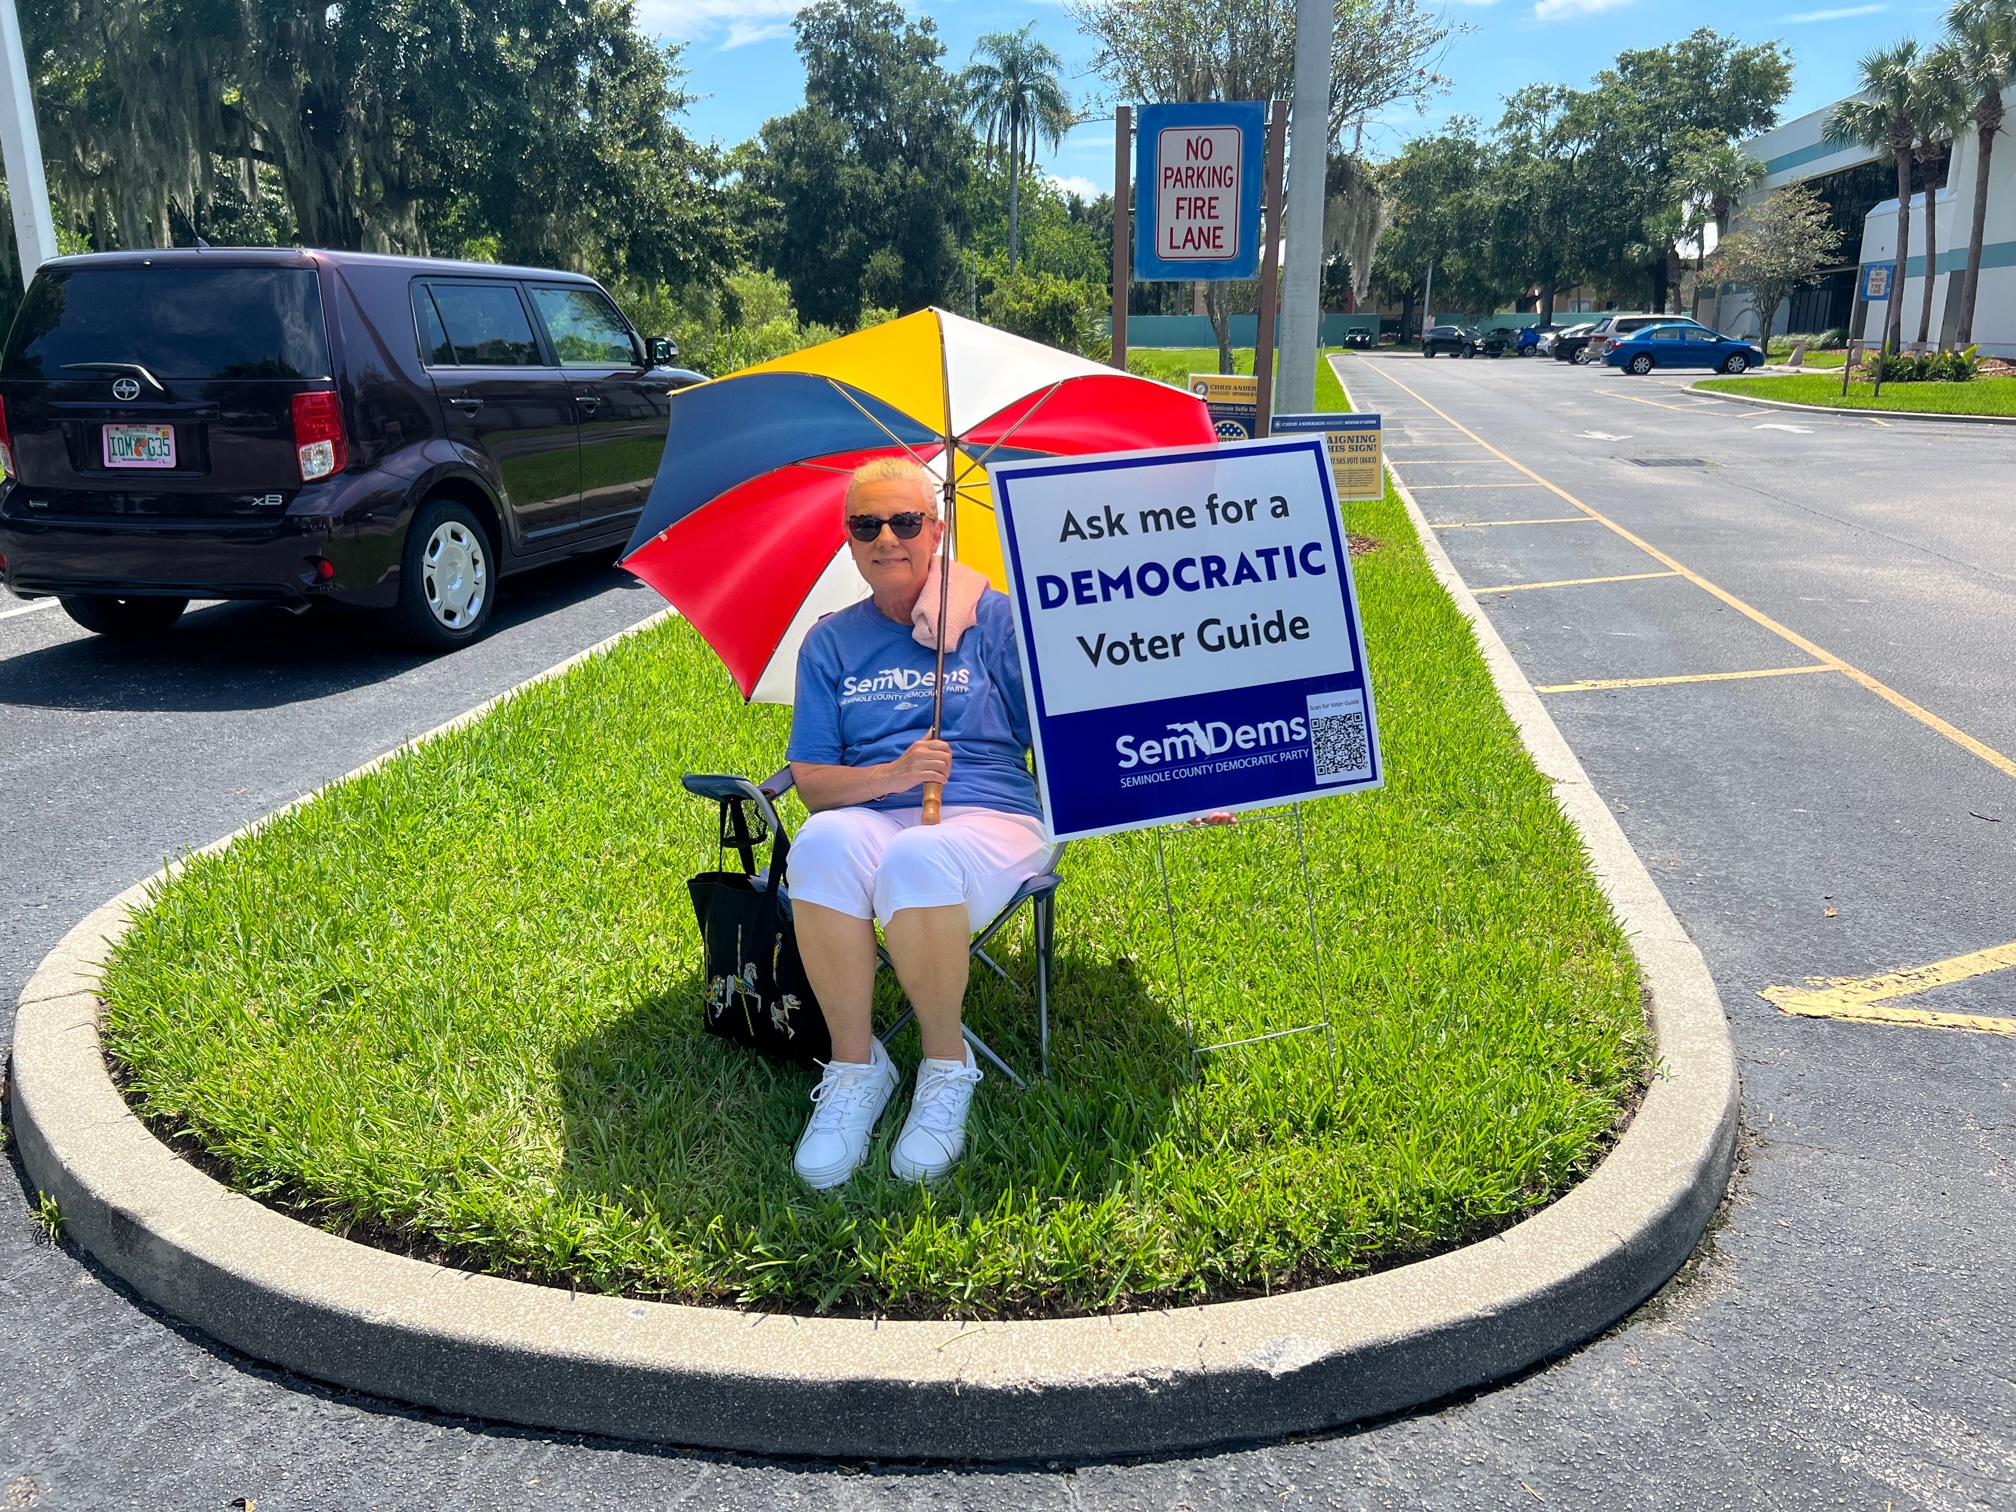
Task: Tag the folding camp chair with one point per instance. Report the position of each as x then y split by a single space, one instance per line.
1039 892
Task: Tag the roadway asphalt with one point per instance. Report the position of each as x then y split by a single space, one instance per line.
1841 1341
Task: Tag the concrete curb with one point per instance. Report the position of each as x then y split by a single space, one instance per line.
1828 409
479 1345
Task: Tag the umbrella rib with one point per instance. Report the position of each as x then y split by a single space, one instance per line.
1030 414
841 390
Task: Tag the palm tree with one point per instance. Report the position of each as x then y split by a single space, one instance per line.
1979 55
1880 117
1939 112
1012 90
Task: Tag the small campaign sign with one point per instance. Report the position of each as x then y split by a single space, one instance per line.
1197 191
1876 280
1233 400
1355 464
1189 630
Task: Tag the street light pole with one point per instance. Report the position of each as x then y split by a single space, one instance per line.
21 149
1308 167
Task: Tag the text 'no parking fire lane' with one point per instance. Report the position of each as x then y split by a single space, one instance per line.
1778 642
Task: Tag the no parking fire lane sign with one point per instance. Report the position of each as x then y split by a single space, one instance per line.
1197 191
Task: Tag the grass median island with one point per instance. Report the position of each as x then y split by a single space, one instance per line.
1983 396
452 1008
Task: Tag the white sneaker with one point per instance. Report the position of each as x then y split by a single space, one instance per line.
849 1098
934 1135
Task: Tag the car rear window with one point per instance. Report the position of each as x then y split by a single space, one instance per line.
177 322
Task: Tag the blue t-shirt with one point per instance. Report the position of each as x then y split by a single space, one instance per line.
864 697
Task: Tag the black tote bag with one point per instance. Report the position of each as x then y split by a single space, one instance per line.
756 994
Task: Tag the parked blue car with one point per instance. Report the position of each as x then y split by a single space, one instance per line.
1682 346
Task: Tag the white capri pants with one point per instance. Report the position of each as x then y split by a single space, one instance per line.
872 863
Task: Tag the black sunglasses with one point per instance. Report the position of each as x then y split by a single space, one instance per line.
905 526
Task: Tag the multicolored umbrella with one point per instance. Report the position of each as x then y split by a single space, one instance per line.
742 532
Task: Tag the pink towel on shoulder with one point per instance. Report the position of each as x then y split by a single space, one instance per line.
962 605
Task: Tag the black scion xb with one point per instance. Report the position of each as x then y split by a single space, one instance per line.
384 432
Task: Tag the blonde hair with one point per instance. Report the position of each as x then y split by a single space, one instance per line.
885 469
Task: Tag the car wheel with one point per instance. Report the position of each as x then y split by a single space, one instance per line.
446 578
1581 357
123 618
1469 352
1641 364
1735 363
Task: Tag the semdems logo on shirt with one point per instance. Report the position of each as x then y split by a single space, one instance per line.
1193 740
904 680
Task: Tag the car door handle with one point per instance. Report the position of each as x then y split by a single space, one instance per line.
591 401
466 404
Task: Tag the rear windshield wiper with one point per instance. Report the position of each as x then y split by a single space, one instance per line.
119 367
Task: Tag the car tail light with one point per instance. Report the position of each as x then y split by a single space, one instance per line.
318 435
6 444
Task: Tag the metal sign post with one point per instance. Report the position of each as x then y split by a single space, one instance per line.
21 149
1308 173
1270 273
1123 229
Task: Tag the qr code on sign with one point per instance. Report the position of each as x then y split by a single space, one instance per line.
1338 737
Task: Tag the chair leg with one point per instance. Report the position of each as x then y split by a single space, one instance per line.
981 1045
897 1028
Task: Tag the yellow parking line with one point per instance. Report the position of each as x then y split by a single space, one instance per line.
1481 524
1882 690
1656 404
1425 487
1627 577
1865 998
1691 677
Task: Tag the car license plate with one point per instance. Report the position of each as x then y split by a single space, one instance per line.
139 446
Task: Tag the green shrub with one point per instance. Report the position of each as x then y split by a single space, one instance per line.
1059 312
747 320
1926 367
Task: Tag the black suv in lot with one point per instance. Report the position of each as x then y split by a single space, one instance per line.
385 432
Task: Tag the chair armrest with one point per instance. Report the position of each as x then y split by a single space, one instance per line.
779 782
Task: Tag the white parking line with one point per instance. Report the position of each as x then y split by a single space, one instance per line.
29 608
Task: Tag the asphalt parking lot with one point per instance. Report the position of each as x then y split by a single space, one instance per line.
1842 1340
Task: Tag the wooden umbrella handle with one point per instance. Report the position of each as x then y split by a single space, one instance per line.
933 793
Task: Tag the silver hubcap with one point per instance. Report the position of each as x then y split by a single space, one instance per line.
455 573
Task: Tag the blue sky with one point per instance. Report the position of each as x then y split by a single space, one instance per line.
739 56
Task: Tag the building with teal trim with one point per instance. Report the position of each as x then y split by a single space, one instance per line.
1860 187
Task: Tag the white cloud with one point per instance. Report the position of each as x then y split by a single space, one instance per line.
744 21
1836 15
742 33
1076 184
1568 10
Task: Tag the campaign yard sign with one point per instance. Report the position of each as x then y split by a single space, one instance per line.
1189 630
1356 471
1233 400
1197 190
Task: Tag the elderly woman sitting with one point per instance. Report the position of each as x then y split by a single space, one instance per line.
860 755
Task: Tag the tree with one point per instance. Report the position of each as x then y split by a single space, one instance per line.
1779 245
1979 56
1436 188
1652 104
1939 111
1012 91
1709 177
1538 172
858 198
1880 117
